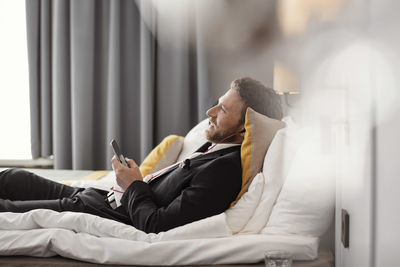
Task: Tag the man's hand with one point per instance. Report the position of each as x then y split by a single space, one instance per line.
125 176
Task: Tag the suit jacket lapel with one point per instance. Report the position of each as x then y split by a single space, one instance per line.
204 147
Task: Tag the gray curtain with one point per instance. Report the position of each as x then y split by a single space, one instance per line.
97 72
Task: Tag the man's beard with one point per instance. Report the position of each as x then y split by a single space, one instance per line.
217 136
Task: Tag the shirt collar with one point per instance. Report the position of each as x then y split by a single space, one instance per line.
221 146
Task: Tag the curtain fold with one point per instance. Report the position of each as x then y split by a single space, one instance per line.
147 79
61 84
99 72
33 37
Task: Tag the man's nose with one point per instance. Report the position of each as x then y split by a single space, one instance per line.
211 111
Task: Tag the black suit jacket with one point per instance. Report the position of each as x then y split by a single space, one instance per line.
183 195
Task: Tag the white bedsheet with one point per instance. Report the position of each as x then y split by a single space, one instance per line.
90 238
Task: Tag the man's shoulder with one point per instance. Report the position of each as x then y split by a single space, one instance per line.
227 156
223 164
226 153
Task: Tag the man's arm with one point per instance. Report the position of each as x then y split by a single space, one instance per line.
210 192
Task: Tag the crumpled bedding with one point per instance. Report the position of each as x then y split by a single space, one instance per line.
45 233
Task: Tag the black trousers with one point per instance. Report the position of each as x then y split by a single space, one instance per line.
22 191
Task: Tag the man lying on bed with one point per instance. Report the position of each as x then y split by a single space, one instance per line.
181 195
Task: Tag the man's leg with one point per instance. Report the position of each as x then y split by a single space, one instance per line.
18 184
21 191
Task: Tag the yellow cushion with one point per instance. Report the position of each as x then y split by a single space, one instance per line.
163 155
260 130
95 175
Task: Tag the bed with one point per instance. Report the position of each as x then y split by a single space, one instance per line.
325 259
288 205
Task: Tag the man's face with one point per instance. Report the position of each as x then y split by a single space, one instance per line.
224 118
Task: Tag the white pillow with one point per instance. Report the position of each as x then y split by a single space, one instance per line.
275 169
238 215
305 204
194 139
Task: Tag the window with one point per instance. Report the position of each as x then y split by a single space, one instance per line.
14 86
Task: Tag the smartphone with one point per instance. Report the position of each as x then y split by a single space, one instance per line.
118 153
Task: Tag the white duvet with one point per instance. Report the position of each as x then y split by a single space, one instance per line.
90 238
230 237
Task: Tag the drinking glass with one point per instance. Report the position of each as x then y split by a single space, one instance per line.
278 258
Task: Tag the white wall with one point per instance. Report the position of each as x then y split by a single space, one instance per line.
387 216
386 23
354 184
